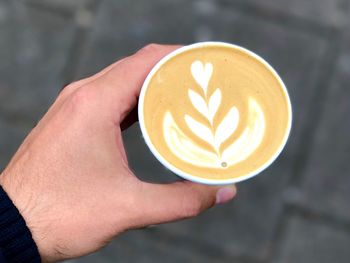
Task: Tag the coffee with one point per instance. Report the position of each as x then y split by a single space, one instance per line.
214 112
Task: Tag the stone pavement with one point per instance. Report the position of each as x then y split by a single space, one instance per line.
297 211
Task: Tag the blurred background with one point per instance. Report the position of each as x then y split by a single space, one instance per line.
297 210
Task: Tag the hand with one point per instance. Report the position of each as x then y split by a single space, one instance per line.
70 178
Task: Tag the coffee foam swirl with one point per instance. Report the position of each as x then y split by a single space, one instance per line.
187 150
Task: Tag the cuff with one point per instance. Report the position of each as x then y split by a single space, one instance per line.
16 242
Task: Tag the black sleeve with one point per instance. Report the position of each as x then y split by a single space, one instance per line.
16 242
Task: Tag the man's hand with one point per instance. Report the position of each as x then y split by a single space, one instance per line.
70 178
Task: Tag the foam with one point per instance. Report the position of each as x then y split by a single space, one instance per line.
187 150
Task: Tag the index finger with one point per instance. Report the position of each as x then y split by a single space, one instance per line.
122 84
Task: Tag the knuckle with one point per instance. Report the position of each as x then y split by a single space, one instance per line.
150 47
80 97
69 88
73 84
80 100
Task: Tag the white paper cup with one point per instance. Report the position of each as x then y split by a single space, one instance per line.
191 177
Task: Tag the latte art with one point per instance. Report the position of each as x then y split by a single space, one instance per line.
187 150
214 113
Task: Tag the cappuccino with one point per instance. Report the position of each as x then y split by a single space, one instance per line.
214 113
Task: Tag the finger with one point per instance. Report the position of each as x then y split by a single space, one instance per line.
179 200
121 85
69 88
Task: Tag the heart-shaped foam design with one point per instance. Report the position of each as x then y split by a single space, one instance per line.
202 74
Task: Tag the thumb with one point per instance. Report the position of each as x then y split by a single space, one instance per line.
162 203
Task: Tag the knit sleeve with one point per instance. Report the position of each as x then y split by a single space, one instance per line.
16 242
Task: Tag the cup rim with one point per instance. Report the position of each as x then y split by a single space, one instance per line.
176 170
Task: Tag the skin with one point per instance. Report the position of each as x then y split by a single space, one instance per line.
70 178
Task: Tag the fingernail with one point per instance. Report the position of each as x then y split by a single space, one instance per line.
225 194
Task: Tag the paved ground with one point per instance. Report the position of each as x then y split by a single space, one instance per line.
298 210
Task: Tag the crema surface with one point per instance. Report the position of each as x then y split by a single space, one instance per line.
216 112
